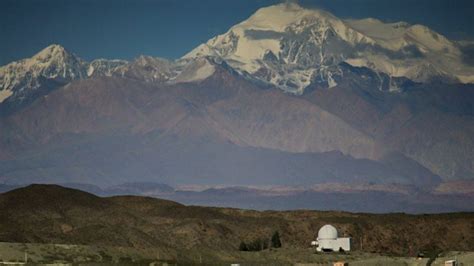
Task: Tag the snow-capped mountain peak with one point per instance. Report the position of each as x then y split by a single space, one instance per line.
276 17
262 31
53 63
105 67
53 51
289 47
284 45
56 62
24 80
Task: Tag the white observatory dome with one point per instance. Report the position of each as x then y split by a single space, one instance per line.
327 232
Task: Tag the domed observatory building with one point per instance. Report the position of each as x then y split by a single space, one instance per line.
328 240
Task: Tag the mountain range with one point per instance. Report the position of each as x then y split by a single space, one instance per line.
290 96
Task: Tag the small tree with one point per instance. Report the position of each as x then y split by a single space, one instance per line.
243 246
276 242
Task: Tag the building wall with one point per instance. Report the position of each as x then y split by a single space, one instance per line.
344 243
335 244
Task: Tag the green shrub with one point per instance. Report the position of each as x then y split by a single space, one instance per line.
243 246
276 242
255 245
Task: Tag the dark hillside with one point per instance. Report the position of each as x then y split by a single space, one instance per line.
53 214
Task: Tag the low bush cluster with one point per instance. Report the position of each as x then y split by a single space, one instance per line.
261 243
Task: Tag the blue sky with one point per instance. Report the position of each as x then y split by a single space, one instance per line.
170 28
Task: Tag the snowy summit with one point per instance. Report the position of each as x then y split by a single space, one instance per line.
289 46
